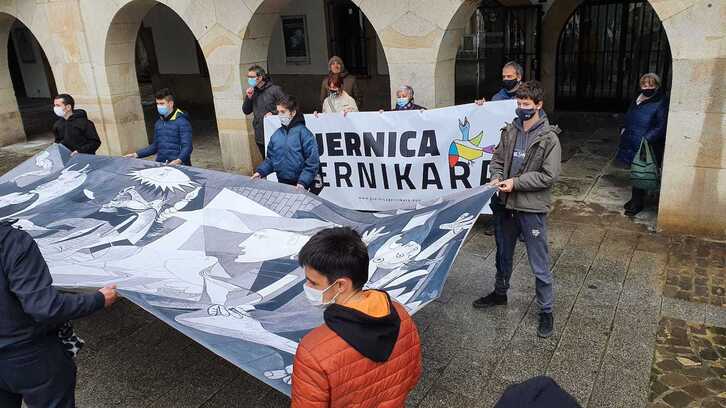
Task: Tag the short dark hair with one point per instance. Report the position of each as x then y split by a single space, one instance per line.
335 80
165 93
531 90
67 100
337 253
288 102
259 71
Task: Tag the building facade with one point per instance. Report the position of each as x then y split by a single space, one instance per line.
92 50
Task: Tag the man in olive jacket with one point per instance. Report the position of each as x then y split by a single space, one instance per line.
525 166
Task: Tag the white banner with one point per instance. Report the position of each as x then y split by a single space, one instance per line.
383 161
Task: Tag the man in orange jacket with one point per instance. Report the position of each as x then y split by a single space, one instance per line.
367 354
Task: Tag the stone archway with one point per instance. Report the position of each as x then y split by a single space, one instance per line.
12 129
216 26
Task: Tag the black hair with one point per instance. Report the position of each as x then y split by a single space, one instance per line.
67 100
531 90
259 71
165 93
288 102
337 253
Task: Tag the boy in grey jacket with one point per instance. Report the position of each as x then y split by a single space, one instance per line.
525 166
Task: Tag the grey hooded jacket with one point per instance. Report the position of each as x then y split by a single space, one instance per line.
541 169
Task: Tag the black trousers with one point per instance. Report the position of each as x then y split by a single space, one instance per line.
42 374
261 148
637 198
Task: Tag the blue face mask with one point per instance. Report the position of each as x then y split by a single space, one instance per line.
401 102
162 109
252 82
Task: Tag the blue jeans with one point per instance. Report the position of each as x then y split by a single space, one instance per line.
508 226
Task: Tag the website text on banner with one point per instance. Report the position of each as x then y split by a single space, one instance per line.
383 161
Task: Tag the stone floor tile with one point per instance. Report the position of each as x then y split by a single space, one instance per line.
681 309
575 365
432 371
438 397
467 373
715 316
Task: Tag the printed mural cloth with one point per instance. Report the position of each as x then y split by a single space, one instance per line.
215 255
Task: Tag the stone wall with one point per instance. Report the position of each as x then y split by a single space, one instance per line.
693 195
90 47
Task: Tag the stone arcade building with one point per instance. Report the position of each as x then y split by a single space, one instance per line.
91 49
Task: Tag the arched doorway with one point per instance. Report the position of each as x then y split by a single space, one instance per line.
326 28
32 85
603 49
496 34
294 40
150 47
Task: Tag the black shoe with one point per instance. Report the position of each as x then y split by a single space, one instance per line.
628 205
633 211
490 300
546 325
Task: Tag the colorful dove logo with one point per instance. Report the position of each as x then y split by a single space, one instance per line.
466 149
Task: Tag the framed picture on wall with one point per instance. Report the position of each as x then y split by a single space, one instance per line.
295 37
24 45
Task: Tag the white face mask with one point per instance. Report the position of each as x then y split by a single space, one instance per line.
285 120
315 296
58 110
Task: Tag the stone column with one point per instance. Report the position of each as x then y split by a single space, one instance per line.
222 47
11 125
418 39
693 190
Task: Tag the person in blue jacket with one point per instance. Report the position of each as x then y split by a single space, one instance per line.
292 152
34 365
172 133
646 118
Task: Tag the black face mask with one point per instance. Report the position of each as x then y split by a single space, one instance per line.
509 84
525 114
648 92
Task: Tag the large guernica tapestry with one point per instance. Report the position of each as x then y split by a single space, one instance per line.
214 254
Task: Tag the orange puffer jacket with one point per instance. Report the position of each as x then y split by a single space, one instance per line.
331 372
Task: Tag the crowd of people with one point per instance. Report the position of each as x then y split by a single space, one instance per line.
367 353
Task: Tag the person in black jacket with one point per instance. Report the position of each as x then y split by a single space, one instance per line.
73 129
34 366
260 100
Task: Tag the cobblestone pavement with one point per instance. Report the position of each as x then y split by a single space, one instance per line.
690 365
634 325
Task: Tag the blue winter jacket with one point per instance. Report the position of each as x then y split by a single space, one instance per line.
172 139
503 95
30 307
293 154
647 120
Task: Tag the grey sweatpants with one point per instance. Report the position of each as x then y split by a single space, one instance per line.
509 225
